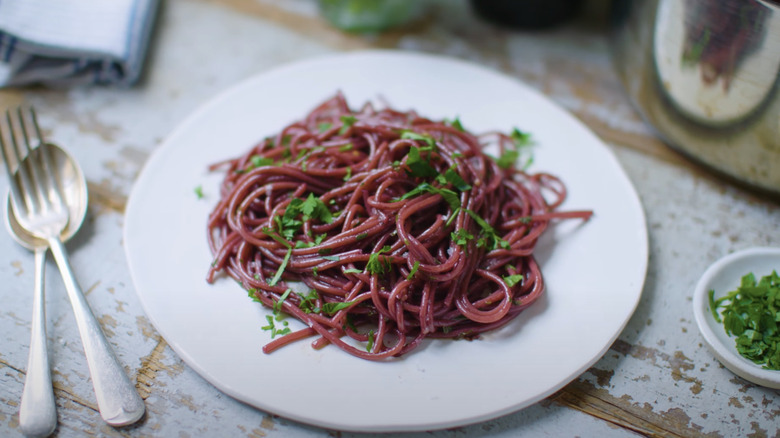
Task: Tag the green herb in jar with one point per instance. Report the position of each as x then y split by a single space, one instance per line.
752 314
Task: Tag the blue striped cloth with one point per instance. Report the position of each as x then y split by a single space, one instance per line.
72 42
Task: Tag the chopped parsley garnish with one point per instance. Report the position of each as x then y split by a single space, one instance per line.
508 158
346 147
370 344
489 238
272 327
348 175
278 304
448 195
199 192
452 217
324 126
512 280
279 271
361 236
347 121
411 135
311 208
308 302
452 177
332 258
751 313
274 235
331 308
352 271
417 166
521 138
252 294
455 123
415 267
317 240
461 237
258 161
378 264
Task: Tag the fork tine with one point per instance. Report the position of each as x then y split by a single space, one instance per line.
38 181
46 181
19 197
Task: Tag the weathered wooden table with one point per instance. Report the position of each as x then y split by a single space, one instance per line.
657 379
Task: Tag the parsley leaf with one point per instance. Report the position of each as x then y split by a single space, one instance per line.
199 192
461 237
411 135
751 313
332 258
508 158
452 217
489 239
278 304
279 271
324 126
370 344
454 178
455 123
448 195
347 121
258 161
512 280
379 265
417 165
274 235
308 302
317 240
415 267
521 138
313 207
253 295
272 327
331 308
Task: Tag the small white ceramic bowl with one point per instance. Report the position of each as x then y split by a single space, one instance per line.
724 276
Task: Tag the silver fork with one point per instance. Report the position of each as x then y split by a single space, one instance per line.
40 208
37 410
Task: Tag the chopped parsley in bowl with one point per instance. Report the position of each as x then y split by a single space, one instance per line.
733 303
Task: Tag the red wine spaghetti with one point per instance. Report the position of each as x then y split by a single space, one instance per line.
378 228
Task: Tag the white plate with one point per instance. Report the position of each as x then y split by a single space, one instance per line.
722 277
594 271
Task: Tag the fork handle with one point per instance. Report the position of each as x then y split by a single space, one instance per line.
117 399
38 410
